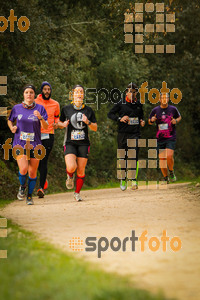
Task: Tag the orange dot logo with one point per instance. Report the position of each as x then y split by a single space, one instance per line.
76 244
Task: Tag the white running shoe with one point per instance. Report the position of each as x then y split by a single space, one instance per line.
123 185
70 182
21 193
77 197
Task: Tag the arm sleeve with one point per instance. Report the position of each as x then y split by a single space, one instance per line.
44 113
62 116
113 112
152 113
12 116
93 117
176 113
57 113
142 113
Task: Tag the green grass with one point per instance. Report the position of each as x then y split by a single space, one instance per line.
193 181
35 270
3 203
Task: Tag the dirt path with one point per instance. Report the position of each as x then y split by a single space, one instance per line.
112 213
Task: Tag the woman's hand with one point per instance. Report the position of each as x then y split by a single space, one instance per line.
62 125
85 119
44 123
37 114
66 123
13 129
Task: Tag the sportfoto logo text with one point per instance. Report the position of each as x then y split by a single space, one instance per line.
104 96
102 244
23 22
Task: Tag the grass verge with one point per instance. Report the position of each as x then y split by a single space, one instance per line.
35 270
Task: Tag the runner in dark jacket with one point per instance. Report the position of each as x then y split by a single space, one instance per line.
129 115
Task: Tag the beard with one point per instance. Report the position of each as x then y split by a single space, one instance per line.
46 98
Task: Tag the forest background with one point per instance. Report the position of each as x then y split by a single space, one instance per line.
82 42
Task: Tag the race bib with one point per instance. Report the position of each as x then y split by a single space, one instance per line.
27 135
133 121
163 126
44 136
77 135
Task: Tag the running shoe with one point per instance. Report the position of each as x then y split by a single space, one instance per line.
46 185
40 193
77 197
123 185
165 180
172 176
134 185
70 182
29 200
21 193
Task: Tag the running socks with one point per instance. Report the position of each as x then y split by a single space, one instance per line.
137 169
31 185
70 174
166 178
79 183
22 179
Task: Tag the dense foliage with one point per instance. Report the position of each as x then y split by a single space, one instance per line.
71 42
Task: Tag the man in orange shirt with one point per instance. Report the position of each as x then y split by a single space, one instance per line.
47 135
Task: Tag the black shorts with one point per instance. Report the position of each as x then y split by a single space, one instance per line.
168 144
78 150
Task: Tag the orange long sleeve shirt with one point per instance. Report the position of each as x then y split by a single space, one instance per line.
53 110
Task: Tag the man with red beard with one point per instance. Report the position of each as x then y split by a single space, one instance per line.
47 135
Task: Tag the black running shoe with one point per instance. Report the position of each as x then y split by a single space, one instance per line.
166 179
40 193
29 200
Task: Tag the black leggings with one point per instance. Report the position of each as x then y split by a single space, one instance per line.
48 144
123 144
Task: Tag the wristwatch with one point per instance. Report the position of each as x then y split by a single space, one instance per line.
89 122
119 118
41 118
